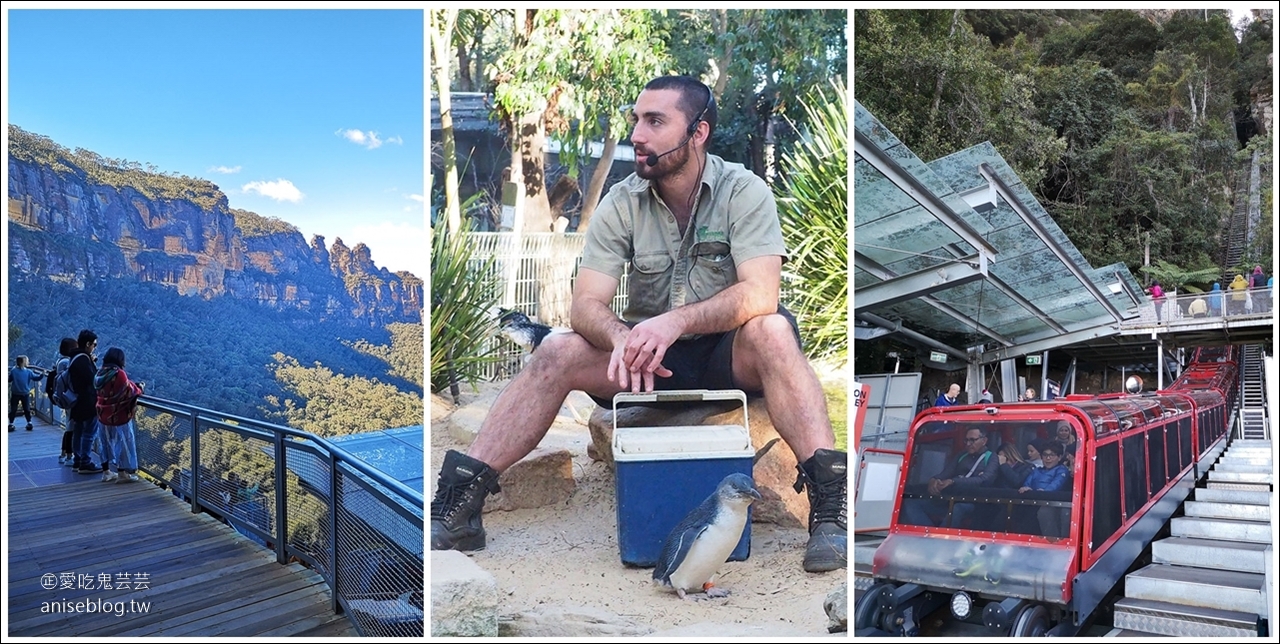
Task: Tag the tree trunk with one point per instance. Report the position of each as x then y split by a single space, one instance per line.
595 187
532 136
942 76
726 56
441 28
464 69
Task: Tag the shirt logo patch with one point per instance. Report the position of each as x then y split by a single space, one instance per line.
706 234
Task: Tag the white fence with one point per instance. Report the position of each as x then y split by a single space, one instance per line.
535 279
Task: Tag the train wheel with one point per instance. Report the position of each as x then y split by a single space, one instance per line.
868 608
1032 621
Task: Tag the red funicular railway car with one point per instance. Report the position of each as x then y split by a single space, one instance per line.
1030 560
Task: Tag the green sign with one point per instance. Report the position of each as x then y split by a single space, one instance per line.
1033 360
937 356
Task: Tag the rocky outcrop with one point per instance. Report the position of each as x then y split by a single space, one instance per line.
68 224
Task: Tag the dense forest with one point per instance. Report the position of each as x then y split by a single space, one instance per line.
1132 127
231 355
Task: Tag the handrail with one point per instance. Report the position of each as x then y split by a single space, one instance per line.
359 528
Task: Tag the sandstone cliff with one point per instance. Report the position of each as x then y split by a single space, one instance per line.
75 217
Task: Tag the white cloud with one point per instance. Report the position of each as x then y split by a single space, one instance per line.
369 140
222 169
397 246
417 198
280 190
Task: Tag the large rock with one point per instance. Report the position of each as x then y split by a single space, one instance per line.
774 474
543 477
837 607
464 597
568 621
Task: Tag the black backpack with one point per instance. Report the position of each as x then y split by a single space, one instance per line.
64 394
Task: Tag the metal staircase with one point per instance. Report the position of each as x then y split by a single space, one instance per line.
1254 423
1208 578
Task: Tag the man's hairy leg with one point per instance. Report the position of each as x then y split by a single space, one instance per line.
767 358
524 411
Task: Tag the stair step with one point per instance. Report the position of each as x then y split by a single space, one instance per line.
1241 556
1226 529
1252 497
1245 460
1250 487
1240 477
1165 618
1213 509
1232 465
1225 590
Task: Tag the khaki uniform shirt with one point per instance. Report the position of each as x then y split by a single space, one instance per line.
735 220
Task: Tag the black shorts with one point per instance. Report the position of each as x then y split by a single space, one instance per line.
704 362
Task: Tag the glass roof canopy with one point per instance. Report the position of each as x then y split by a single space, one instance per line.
957 253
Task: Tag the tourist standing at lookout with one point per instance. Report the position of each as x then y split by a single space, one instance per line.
84 413
1239 288
21 380
117 401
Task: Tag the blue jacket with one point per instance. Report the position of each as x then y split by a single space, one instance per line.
943 401
1051 480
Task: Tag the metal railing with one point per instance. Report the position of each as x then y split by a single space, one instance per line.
298 495
1184 308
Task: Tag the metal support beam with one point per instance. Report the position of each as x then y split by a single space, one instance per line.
1003 287
897 327
1051 342
879 159
896 288
1006 193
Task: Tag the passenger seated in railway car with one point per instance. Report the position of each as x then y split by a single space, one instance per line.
1033 453
1066 437
1013 467
1053 477
973 467
976 500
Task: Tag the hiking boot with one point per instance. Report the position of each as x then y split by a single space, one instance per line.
89 469
10 426
459 501
824 475
28 426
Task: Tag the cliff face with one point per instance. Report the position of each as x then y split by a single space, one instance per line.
66 227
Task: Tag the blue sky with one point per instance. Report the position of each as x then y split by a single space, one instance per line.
313 117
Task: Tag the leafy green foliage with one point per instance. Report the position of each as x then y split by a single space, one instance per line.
327 404
217 354
813 209
463 290
404 354
1175 278
251 224
119 173
766 61
1119 121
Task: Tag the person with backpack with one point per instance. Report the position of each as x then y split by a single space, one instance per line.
83 412
20 380
117 400
66 349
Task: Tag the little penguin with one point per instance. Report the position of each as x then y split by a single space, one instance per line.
703 540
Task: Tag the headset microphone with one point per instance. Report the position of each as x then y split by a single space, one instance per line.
652 160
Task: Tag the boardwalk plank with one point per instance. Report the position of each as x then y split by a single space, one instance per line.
205 579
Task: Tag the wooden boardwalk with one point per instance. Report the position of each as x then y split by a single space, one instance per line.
203 578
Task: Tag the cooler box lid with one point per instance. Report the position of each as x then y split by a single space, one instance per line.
681 443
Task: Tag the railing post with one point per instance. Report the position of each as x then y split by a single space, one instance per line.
282 516
195 463
333 533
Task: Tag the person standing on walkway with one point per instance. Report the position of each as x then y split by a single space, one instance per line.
117 401
1258 287
20 381
1239 295
83 414
952 397
1215 300
1157 297
67 348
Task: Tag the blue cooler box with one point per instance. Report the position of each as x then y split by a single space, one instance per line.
665 472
